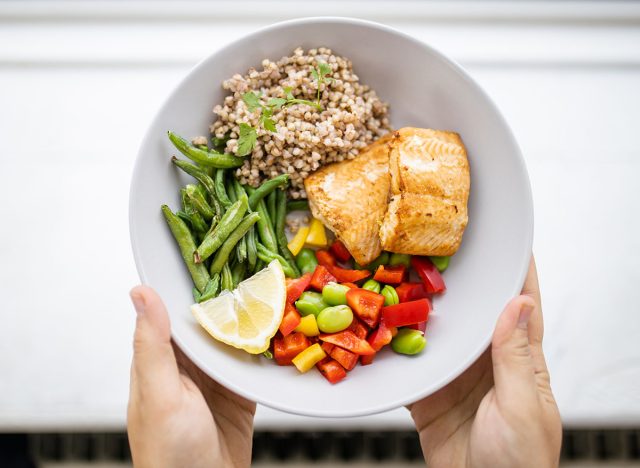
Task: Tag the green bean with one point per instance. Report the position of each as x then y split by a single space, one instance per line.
334 319
266 188
212 289
268 256
238 273
219 144
265 229
371 285
222 254
222 231
441 263
408 341
270 201
230 189
203 191
259 266
206 158
185 242
197 221
306 260
281 238
201 176
199 202
241 248
297 205
390 295
221 192
252 251
226 278
196 294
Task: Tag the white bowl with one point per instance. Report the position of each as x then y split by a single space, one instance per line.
424 89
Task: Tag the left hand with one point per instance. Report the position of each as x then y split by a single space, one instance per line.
177 415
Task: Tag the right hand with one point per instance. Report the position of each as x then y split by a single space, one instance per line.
500 412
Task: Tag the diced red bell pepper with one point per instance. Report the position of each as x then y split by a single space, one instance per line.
348 340
422 326
339 251
390 274
406 313
358 328
321 277
296 286
366 305
325 258
346 358
429 274
288 347
290 319
349 276
411 291
331 370
378 339
327 348
350 285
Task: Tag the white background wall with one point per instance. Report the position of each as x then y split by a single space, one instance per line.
79 82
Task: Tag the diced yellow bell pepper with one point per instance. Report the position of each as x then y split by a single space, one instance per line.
296 244
309 357
317 236
308 326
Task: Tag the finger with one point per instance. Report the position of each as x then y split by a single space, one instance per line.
513 367
531 287
154 364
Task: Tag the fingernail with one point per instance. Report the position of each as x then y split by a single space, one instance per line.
525 315
138 302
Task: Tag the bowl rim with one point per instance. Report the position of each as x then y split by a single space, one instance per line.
521 165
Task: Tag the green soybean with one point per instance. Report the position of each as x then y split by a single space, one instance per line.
231 219
390 295
408 341
204 157
335 294
371 285
441 263
187 246
310 302
400 259
306 260
334 319
222 254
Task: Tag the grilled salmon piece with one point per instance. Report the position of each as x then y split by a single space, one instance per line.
430 183
351 197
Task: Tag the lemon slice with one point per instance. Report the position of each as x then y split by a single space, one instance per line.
249 316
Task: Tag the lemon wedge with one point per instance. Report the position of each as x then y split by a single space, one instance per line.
249 316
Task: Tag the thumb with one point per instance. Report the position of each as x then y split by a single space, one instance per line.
513 369
154 363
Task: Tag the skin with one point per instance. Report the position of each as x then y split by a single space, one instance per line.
499 413
178 416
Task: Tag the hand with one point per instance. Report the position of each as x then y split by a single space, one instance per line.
177 415
500 412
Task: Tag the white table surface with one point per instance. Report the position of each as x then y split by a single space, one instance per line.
78 87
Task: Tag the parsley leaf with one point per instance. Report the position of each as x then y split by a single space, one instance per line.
247 139
252 100
276 103
269 124
324 69
314 74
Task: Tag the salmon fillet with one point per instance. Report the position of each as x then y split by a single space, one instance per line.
350 198
427 214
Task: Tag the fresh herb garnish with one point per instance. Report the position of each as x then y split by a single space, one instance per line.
247 139
249 135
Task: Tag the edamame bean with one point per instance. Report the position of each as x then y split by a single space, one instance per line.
306 260
441 263
408 341
400 259
372 285
335 319
310 302
390 295
335 294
